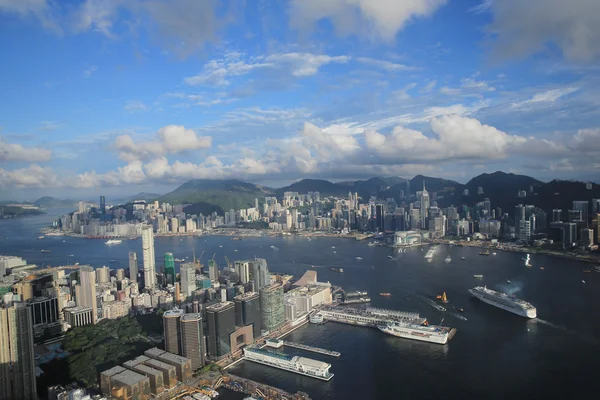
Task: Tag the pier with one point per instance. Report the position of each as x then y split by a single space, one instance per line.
257 389
313 349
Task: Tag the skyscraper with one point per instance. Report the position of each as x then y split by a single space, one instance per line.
103 274
213 270
133 266
192 340
86 295
221 324
17 360
247 311
169 268
242 269
148 257
582 206
188 279
272 307
172 330
424 207
379 217
556 215
519 216
260 273
102 207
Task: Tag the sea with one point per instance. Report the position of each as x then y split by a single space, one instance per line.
494 355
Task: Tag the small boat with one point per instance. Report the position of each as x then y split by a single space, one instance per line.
333 247
448 259
71 255
582 281
478 276
359 258
587 270
41 237
337 269
235 250
385 294
463 258
220 245
494 254
334 252
442 298
64 241
179 260
541 267
112 261
181 240
390 257
113 241
508 281
459 309
46 251
484 253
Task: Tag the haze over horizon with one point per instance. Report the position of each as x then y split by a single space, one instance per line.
118 97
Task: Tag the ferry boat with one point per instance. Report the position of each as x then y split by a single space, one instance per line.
337 269
46 251
385 294
504 301
463 258
484 253
359 258
390 257
442 298
41 237
432 333
113 241
316 319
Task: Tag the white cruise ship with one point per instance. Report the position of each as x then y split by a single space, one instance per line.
113 241
504 301
432 334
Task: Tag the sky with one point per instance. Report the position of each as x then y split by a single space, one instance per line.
120 96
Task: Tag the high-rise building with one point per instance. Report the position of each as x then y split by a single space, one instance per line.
133 266
242 269
148 257
424 207
272 307
519 216
260 273
557 215
172 330
596 228
188 279
221 324
213 270
525 230
17 359
379 217
86 295
192 340
169 268
247 311
595 207
103 274
103 207
582 206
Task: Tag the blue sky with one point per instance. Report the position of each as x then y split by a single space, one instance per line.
120 96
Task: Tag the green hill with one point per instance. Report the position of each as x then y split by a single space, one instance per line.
214 194
51 202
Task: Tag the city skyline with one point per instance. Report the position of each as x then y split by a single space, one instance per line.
286 91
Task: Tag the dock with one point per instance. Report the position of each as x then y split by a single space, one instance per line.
253 388
312 348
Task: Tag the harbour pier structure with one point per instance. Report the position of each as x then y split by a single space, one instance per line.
253 388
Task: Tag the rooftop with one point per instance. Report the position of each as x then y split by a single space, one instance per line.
173 313
246 296
147 370
128 377
173 358
153 352
313 363
309 276
191 317
159 364
113 371
220 306
309 289
77 309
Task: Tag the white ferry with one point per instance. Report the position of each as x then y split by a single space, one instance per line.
432 334
300 365
113 241
504 301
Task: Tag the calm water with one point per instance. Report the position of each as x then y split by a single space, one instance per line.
494 355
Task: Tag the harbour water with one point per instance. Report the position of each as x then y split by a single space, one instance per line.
494 355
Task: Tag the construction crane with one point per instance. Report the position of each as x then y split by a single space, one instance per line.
200 258
213 257
228 262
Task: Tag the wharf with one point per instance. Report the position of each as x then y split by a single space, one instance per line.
313 349
257 389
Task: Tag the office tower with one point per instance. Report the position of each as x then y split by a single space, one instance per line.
583 207
247 311
192 340
213 270
519 216
556 215
102 207
379 217
260 273
221 324
595 207
596 228
272 307
188 279
86 296
148 257
17 359
103 275
120 274
424 207
242 269
169 268
574 215
133 266
172 330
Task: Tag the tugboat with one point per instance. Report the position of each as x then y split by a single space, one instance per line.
459 309
442 298
337 269
385 294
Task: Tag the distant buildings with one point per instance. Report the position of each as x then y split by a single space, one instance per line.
17 363
148 257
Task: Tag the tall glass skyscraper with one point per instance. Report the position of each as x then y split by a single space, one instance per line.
247 311
170 268
17 359
148 256
188 279
221 324
272 307
260 273
192 340
86 295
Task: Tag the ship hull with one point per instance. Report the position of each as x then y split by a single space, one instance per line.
414 334
519 312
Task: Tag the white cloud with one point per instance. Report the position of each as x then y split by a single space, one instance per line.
374 18
49 126
171 139
17 152
429 87
468 87
32 176
549 96
482 7
134 105
40 9
386 65
304 64
521 28
90 71
586 141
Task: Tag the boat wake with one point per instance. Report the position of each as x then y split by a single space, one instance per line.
274 247
564 329
455 315
431 303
